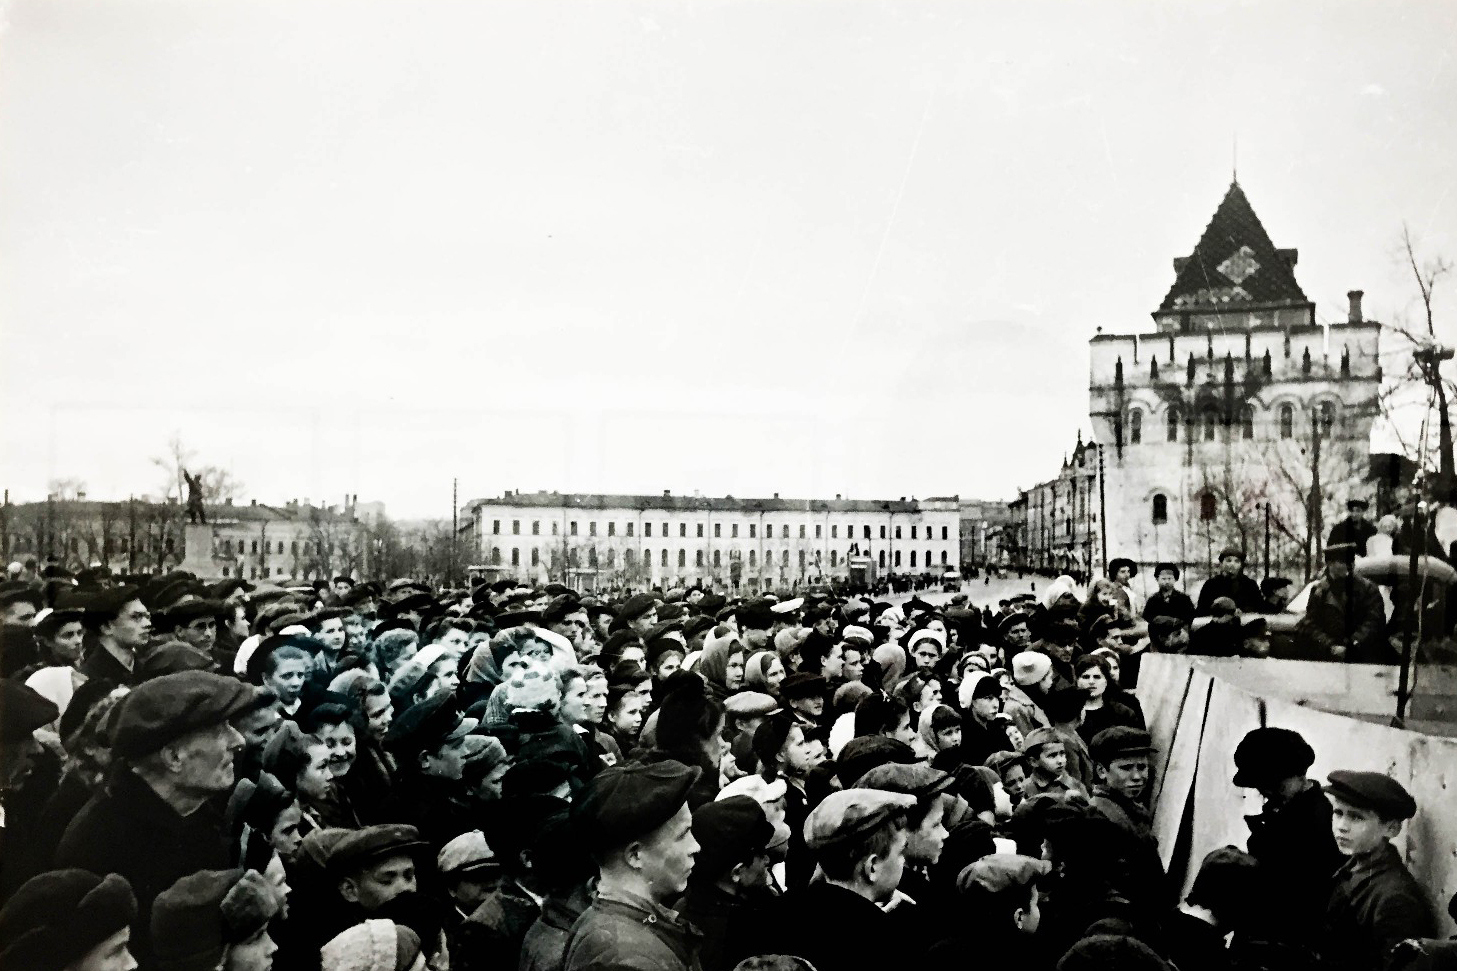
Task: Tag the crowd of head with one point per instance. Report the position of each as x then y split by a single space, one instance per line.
353 777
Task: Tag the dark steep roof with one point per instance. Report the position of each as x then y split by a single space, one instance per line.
1235 266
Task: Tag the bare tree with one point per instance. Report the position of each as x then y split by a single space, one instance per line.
1427 355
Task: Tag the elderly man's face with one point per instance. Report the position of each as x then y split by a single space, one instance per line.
206 758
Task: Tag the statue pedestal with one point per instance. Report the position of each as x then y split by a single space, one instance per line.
197 559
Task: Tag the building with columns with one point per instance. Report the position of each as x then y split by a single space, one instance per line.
597 541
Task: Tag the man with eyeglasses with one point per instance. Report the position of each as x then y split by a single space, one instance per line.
123 627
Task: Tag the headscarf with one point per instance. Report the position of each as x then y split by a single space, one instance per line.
928 727
720 645
892 661
756 669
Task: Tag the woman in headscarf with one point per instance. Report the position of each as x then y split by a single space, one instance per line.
721 662
764 672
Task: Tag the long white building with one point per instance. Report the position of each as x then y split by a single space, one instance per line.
728 543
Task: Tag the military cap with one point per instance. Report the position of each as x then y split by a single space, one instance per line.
751 704
849 815
359 848
22 711
729 831
638 605
467 853
1039 737
55 919
1002 871
1379 793
856 634
1267 755
426 725
198 917
164 709
1119 742
802 684
916 779
170 658
623 803
862 754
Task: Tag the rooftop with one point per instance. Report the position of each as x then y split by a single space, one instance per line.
670 502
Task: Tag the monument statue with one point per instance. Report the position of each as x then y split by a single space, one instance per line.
195 513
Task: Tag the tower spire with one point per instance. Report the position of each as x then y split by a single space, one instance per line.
1234 161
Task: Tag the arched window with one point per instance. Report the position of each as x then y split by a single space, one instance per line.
717 559
682 558
1247 422
897 557
944 558
535 556
834 558
929 561
784 559
515 557
592 557
1327 418
1173 424
1210 420
629 558
1135 426
647 558
1206 506
1287 421
611 559
1160 508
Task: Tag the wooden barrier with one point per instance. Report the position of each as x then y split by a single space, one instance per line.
1198 710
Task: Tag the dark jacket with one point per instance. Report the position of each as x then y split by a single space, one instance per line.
1349 613
545 946
99 663
493 935
733 927
980 739
1374 905
128 829
1111 714
1241 589
436 807
622 931
1298 858
1176 604
836 929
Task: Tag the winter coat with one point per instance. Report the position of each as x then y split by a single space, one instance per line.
1298 859
1349 613
1177 604
835 929
1374 905
1241 589
733 927
545 945
623 931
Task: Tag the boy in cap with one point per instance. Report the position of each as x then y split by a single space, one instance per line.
731 889
859 838
173 749
429 742
1167 601
1291 838
69 920
1047 755
1375 902
1230 582
1120 760
998 912
122 625
638 828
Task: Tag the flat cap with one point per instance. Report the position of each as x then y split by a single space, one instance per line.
729 831
1001 871
466 853
1119 742
56 918
802 684
198 917
361 847
751 704
1232 551
787 606
1267 755
626 802
22 711
916 779
166 708
862 754
1379 793
428 724
171 658
638 605
850 814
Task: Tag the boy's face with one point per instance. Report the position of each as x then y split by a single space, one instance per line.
1166 582
927 840
1231 565
1013 781
1359 831
1128 776
926 654
886 871
1052 759
854 664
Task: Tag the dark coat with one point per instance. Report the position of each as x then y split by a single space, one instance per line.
733 927
436 807
1349 613
128 829
1241 589
1193 944
493 935
623 932
980 739
835 929
1111 714
1298 859
99 663
545 946
1176 604
1374 905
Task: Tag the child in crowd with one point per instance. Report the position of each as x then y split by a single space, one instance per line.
1047 754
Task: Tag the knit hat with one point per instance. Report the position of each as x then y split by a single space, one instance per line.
195 919
375 945
56 918
1030 667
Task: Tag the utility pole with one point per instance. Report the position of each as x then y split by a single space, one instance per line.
1267 537
1408 621
454 526
1103 510
1313 525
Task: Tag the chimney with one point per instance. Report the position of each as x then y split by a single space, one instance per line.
1355 297
80 497
837 497
776 495
252 502
667 493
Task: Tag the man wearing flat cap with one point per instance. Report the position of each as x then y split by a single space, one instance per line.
731 891
1345 618
123 628
19 603
23 853
1230 582
428 741
859 838
369 868
636 823
158 818
1375 903
1291 838
638 614
804 693
69 920
936 800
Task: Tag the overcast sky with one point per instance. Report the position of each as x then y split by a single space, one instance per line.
740 247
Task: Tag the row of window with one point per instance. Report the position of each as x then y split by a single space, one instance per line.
572 530
630 560
1208 421
1159 512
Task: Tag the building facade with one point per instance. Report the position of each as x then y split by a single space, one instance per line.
295 541
600 541
982 525
1237 417
1054 525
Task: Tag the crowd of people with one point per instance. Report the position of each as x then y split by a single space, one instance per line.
392 777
